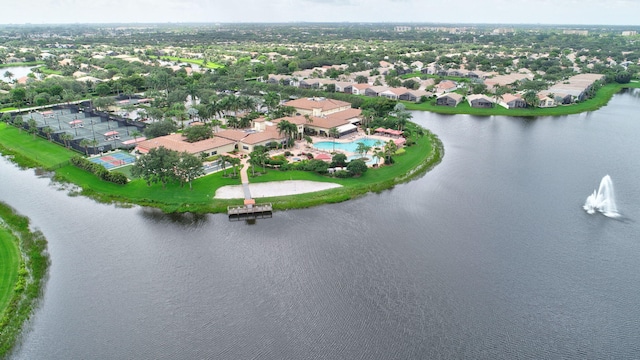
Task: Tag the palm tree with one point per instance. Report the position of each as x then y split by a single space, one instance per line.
367 117
33 127
48 131
223 164
93 143
85 143
334 133
530 97
136 134
193 92
66 138
289 130
389 149
498 91
18 122
271 100
363 149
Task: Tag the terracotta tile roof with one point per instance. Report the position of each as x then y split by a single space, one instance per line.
260 137
176 142
235 135
345 115
327 122
298 120
509 97
317 103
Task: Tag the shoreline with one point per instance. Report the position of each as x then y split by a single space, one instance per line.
27 152
31 276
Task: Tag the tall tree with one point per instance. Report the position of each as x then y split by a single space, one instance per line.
334 133
189 167
33 127
158 165
66 138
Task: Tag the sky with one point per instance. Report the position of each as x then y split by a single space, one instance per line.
570 12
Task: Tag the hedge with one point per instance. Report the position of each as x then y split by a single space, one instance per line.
99 170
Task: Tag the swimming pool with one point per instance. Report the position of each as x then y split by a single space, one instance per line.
350 146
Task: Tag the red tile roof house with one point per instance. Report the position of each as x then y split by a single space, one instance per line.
213 146
544 101
446 86
357 89
318 106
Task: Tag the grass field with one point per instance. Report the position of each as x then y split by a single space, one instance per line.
9 264
210 65
23 269
31 63
39 151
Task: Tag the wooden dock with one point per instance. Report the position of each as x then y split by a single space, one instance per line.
250 212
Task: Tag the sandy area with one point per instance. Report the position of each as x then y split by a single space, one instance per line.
274 188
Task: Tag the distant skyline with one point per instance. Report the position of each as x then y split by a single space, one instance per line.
571 12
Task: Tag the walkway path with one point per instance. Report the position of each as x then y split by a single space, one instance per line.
244 177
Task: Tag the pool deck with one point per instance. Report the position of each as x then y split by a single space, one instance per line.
301 146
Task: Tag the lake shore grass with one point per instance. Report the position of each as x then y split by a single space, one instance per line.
28 63
601 99
28 267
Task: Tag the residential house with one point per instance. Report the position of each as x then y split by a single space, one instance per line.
341 85
449 99
414 95
511 101
393 93
356 89
479 101
446 86
544 101
375 91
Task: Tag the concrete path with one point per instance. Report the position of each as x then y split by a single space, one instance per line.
244 177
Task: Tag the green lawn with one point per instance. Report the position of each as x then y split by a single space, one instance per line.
23 269
39 151
9 265
210 65
601 99
31 63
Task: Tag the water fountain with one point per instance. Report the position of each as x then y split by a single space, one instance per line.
603 199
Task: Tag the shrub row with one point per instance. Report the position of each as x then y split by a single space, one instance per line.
99 170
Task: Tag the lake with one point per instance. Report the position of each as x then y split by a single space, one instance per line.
17 71
488 256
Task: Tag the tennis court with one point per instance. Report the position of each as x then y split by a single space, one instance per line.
114 160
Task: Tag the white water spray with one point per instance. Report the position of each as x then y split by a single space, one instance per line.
603 199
